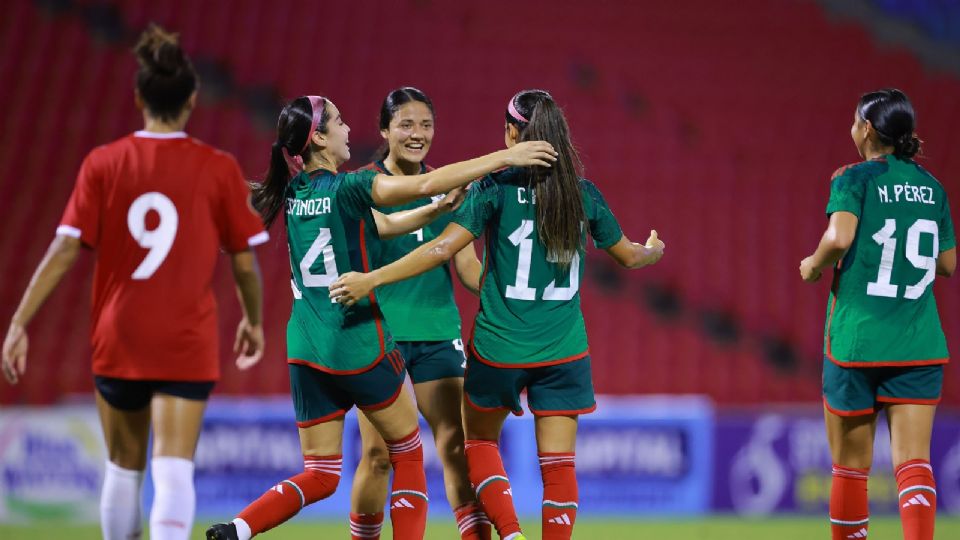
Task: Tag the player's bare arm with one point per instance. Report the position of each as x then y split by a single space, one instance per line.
59 258
633 255
407 221
249 342
468 268
947 262
393 190
352 286
835 242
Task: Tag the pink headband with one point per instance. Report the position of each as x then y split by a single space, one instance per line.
512 109
295 163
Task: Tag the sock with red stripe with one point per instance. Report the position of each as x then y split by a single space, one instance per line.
849 510
365 526
472 522
490 481
408 500
284 500
918 499
559 494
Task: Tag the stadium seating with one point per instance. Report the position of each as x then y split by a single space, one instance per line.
720 127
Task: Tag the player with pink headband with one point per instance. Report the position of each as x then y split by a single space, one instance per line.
529 334
339 356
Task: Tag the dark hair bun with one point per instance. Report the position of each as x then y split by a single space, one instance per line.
166 77
907 146
159 51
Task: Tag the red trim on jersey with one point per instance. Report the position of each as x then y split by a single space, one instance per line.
383 404
322 419
470 402
908 401
324 369
588 410
545 363
838 412
373 299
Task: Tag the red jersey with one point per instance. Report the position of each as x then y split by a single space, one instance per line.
157 207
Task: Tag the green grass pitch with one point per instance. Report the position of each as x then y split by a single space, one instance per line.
712 528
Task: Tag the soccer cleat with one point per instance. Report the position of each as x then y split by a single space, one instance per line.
222 531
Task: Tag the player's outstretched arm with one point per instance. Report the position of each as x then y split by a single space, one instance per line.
407 221
59 258
351 287
834 244
249 341
393 190
633 255
947 262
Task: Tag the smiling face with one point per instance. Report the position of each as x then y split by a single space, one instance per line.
410 133
336 141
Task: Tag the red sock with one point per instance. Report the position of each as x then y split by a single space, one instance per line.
559 495
849 511
493 487
408 500
318 481
918 499
365 526
473 523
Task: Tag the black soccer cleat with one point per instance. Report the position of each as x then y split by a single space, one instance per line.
222 531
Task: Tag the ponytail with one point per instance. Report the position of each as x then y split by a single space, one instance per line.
297 122
559 203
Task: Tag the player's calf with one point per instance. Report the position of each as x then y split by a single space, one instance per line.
918 499
560 495
849 510
492 485
408 500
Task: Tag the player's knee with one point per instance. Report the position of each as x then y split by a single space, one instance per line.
317 485
449 444
131 458
376 461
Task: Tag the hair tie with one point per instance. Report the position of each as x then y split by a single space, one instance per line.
294 163
512 109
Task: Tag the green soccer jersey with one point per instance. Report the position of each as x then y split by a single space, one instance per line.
331 231
881 309
529 307
421 308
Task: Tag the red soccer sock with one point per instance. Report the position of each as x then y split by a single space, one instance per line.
559 494
849 511
365 526
473 523
408 500
918 499
493 487
284 500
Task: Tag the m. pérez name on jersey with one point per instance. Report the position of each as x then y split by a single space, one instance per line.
309 207
917 194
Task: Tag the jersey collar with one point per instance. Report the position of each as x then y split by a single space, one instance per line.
382 167
152 135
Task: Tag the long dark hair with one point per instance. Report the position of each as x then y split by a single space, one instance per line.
557 189
391 104
293 128
166 78
890 112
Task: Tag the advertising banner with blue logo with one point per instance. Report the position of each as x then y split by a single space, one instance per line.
780 462
635 456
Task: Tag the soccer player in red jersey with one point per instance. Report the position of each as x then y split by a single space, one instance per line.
156 206
425 322
341 357
529 334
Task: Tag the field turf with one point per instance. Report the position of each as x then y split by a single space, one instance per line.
713 528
